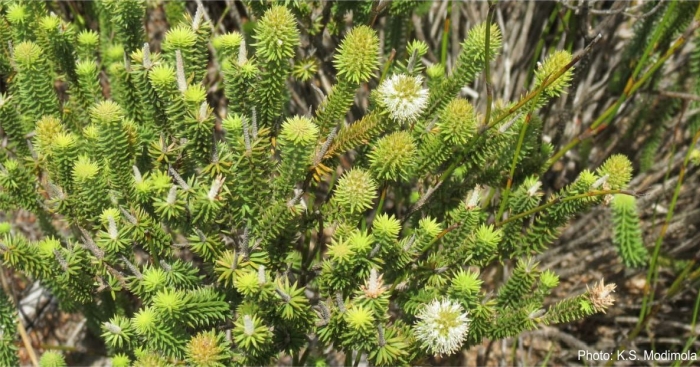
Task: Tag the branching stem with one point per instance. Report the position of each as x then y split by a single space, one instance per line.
632 86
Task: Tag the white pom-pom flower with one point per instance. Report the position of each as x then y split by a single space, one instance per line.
404 97
442 327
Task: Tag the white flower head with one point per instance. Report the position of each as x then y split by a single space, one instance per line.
404 97
442 327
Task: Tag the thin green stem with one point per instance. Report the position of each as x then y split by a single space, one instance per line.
445 36
348 358
487 63
514 163
675 288
551 21
694 334
602 121
387 66
560 200
658 31
380 205
647 311
528 97
657 246
358 358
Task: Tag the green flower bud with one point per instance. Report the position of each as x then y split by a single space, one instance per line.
247 283
114 54
340 251
385 226
429 227
194 96
549 279
170 302
457 122
145 321
392 157
5 228
476 38
106 113
305 69
153 280
85 169
46 129
121 360
17 13
485 245
618 168
465 285
299 131
52 359
435 71
162 76
551 66
355 191
358 55
208 349
181 37
88 40
227 45
277 34
359 318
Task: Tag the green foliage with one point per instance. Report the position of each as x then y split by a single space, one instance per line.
35 82
277 37
52 359
627 234
470 62
126 18
366 226
8 330
356 60
297 141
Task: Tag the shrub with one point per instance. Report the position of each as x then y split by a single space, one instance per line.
167 223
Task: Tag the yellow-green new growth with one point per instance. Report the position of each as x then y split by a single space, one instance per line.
385 226
392 157
552 65
180 37
475 43
276 34
162 76
88 44
52 359
299 130
227 45
358 55
85 169
208 349
618 170
106 112
46 129
457 122
194 95
355 191
359 318
627 233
